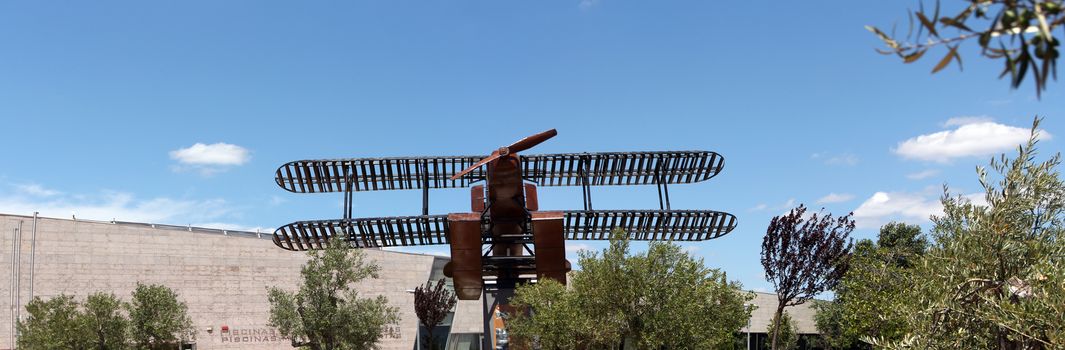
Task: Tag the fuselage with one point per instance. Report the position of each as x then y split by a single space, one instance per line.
525 243
507 208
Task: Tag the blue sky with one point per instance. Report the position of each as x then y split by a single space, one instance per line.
103 104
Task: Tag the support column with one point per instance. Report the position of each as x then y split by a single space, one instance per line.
493 320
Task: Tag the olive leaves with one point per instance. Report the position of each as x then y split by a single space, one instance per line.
1020 33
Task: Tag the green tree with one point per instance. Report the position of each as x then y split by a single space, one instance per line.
864 306
663 298
995 276
157 318
901 244
1019 33
52 324
432 304
788 334
550 315
327 312
829 321
105 324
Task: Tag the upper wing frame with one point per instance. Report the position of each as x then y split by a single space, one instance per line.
375 174
621 168
563 169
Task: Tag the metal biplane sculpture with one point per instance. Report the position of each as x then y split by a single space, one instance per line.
505 239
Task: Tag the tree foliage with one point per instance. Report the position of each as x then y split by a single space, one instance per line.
52 324
663 298
432 304
105 324
1019 33
327 312
901 244
787 336
829 321
864 306
101 323
995 276
157 318
804 256
552 318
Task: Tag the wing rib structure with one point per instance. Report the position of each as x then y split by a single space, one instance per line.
375 174
640 225
621 168
564 169
365 232
649 225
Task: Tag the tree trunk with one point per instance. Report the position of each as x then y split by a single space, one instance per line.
429 334
776 325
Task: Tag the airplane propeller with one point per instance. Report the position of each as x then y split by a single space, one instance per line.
521 145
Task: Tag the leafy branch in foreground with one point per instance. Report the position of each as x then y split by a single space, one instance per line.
1020 33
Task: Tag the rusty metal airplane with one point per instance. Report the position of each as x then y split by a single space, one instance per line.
490 246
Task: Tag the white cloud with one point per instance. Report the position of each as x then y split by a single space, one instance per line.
836 159
36 190
785 207
968 140
276 200
922 174
210 159
587 4
113 205
882 207
234 227
910 207
835 198
576 247
213 154
959 121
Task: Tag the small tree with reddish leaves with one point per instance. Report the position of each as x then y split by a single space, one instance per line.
432 305
805 256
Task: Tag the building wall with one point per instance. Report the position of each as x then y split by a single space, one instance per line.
222 277
766 303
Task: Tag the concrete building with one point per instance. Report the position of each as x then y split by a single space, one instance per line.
765 305
222 275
